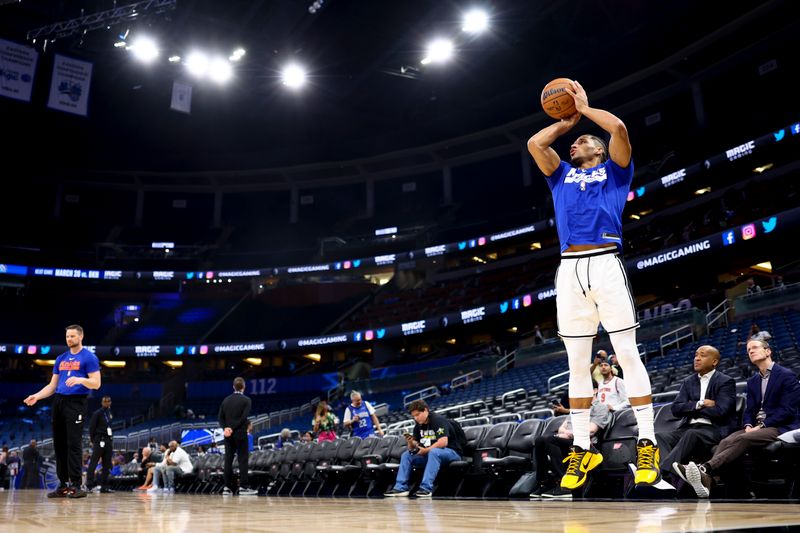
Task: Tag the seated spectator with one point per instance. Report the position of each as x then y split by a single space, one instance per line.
325 422
307 437
773 395
213 448
433 443
150 459
777 283
759 334
611 389
176 463
550 451
706 403
752 287
360 417
135 458
284 438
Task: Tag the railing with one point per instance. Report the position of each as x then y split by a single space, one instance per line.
504 362
506 417
475 421
466 379
459 409
551 379
515 392
543 412
273 437
716 315
675 336
422 394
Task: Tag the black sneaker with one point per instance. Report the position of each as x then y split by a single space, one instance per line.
680 470
541 489
76 492
105 490
422 493
394 493
60 492
557 493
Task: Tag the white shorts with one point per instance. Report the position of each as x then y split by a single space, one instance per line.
592 288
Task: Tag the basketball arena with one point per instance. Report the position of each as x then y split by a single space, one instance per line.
442 266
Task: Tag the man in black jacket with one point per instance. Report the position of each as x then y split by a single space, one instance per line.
30 464
233 415
707 404
102 444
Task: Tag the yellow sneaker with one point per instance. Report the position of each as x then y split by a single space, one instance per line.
647 459
580 463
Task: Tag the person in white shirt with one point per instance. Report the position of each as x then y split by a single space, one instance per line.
611 389
176 462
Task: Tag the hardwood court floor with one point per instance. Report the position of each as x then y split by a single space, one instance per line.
25 511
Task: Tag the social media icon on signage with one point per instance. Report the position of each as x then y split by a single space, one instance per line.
728 238
32 350
631 195
462 245
45 350
795 128
192 350
779 135
748 232
19 349
472 243
516 303
380 333
357 263
769 224
357 336
481 241
526 300
203 349
189 275
337 266
503 307
179 350
369 335
209 275
640 192
347 265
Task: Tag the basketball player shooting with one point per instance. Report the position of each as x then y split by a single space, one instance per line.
589 194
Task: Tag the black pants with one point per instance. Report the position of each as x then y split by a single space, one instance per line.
31 478
236 444
68 416
692 443
99 451
550 452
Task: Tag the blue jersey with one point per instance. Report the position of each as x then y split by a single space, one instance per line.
364 427
78 365
589 201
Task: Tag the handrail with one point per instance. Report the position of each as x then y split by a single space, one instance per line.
422 394
467 421
678 338
719 315
547 412
504 362
506 417
550 387
466 379
512 393
460 407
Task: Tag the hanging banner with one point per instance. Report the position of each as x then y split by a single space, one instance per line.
181 97
69 88
17 67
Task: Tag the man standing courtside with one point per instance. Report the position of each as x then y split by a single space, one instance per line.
102 444
76 372
233 415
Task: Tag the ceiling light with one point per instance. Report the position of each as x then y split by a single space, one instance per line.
705 190
475 21
220 70
439 51
113 364
144 49
313 356
293 76
197 64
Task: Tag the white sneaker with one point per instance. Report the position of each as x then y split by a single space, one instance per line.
227 492
153 489
248 492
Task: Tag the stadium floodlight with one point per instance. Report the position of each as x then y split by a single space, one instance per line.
293 76
237 54
475 21
144 49
175 59
439 51
220 70
197 64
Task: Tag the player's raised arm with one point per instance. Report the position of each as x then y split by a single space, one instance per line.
619 147
539 145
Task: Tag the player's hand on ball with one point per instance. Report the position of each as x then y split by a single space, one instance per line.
578 93
571 120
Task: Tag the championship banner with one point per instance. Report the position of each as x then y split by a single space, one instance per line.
181 97
17 67
69 88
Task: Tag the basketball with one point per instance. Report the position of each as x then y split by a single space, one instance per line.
556 101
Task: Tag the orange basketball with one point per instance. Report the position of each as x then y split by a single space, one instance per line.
556 101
